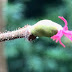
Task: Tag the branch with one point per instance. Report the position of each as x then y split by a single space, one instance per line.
45 28
20 33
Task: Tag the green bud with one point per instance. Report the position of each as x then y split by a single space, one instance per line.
45 28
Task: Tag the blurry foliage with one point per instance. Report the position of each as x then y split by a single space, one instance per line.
35 8
43 54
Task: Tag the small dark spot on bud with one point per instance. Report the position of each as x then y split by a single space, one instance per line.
31 37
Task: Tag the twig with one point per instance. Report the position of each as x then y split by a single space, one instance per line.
20 33
31 32
46 28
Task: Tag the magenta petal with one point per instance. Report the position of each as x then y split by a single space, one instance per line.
61 43
68 34
62 18
57 37
62 32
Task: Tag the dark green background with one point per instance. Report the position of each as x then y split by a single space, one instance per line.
43 54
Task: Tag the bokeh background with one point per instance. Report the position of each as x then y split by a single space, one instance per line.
43 54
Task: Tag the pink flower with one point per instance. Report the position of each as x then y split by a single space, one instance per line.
62 32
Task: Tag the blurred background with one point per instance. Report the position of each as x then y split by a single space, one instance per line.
43 54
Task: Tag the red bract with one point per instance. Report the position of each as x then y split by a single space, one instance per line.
62 32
